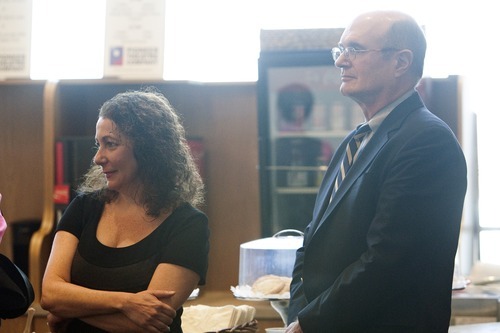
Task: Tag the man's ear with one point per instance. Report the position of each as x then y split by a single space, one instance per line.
404 59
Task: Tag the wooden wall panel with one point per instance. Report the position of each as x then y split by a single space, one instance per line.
21 153
232 184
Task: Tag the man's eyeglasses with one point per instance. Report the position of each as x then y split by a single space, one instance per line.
351 52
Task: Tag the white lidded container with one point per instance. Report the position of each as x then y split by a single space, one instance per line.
269 256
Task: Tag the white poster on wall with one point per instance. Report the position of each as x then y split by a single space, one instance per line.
15 38
135 37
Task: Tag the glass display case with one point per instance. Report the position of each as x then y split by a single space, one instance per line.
303 117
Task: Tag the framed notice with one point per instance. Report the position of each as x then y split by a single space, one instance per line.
15 38
135 37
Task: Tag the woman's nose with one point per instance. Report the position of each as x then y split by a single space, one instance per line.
99 158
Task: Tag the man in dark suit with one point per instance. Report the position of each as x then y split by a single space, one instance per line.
378 255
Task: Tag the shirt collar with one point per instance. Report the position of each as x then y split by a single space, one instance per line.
379 117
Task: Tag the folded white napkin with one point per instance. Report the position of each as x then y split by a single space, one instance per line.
203 318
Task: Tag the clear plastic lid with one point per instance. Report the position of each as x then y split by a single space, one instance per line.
279 241
268 256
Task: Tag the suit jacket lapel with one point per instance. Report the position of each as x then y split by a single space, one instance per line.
370 151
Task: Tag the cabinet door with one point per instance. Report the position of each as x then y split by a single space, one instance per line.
302 119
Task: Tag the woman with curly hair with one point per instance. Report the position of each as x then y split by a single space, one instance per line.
131 247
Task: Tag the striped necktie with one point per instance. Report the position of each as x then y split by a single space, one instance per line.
350 153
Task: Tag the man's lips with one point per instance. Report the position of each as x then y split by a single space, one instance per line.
346 77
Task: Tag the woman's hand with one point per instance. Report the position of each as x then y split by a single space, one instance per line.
148 310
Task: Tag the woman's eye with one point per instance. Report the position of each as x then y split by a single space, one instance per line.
111 144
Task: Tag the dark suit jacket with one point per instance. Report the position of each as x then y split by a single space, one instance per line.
380 256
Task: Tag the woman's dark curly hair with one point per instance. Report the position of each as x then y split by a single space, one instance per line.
166 167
